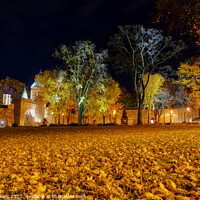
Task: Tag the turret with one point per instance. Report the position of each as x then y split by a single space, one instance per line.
35 90
25 94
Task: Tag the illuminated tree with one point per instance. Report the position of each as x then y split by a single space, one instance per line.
104 99
153 88
85 69
140 51
70 108
55 89
12 87
189 77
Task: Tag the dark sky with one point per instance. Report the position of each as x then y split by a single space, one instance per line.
32 29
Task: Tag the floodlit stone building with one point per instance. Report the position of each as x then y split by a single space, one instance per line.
31 111
24 111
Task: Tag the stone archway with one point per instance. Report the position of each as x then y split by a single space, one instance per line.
28 119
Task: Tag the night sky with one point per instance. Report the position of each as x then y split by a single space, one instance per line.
32 29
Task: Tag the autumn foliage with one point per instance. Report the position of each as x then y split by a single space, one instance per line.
132 162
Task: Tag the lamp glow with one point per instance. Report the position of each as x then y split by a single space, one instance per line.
152 121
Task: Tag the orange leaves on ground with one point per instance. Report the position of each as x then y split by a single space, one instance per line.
147 162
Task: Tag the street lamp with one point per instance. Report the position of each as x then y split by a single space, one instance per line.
189 118
114 119
171 115
152 121
63 117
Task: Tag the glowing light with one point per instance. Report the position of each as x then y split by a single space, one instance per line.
152 121
171 111
63 114
188 109
37 120
114 112
32 111
52 113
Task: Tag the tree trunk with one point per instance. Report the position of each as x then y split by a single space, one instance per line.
139 121
104 119
58 118
110 118
163 113
159 115
155 115
144 114
80 113
68 120
184 113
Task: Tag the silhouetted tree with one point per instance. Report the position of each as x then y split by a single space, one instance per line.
181 17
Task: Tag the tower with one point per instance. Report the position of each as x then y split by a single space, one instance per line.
7 99
24 94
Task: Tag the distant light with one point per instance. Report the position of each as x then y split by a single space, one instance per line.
2 122
152 121
63 114
114 112
52 113
188 109
171 111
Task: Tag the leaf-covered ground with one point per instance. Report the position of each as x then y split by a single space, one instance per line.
116 162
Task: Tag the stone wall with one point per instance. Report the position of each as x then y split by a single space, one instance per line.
7 115
25 112
171 116
27 116
39 109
